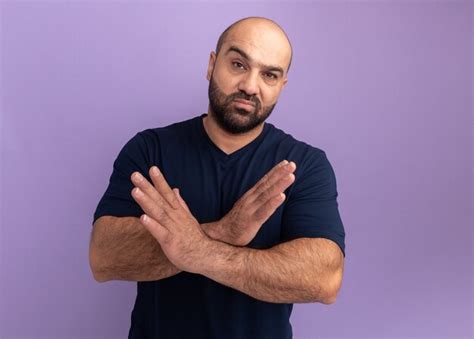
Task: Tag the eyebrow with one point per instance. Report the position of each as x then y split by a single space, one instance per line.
246 56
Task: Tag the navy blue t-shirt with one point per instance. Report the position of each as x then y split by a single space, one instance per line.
189 305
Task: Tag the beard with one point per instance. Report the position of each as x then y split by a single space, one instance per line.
233 119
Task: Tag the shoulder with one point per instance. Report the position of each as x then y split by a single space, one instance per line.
301 152
145 146
314 172
151 137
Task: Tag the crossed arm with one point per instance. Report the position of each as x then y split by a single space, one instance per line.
300 270
297 271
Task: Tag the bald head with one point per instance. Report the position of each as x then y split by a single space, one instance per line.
260 24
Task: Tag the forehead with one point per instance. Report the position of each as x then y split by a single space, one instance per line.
265 45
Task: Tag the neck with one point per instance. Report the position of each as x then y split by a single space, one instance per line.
226 141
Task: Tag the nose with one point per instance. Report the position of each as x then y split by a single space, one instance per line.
249 84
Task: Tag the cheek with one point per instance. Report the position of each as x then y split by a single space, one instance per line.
269 98
227 84
226 78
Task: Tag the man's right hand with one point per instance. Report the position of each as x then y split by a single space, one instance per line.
249 213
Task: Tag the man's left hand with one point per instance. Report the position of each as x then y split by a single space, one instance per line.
178 232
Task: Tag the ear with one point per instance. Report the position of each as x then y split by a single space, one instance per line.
284 83
210 67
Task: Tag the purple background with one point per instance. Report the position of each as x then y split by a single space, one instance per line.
385 88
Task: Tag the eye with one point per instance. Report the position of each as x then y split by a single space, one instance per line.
271 75
237 64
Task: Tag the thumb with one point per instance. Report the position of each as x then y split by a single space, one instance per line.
181 201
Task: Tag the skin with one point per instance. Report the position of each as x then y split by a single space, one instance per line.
297 271
122 248
241 70
181 237
269 275
235 76
240 225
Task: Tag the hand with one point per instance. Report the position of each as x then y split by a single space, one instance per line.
213 229
178 232
248 214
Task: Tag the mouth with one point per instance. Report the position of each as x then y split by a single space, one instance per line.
247 105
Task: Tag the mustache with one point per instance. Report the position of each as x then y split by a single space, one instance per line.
244 96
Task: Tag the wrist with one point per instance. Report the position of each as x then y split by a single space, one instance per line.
212 230
216 231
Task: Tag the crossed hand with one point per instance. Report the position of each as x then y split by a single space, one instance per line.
181 237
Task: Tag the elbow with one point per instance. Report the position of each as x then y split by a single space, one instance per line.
329 297
329 300
96 260
332 289
95 265
324 296
99 277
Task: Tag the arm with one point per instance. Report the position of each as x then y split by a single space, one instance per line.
121 248
301 270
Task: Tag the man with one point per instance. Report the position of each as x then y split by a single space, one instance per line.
243 235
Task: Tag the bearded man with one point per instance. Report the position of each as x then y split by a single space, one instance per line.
224 220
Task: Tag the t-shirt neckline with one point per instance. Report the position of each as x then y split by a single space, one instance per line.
221 155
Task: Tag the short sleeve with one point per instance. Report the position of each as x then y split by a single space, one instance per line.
312 209
117 199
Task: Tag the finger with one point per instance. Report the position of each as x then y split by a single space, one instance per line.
163 188
279 167
275 174
149 205
264 212
145 186
155 228
279 176
272 190
181 201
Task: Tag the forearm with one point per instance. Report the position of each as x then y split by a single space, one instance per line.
277 275
123 249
